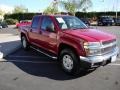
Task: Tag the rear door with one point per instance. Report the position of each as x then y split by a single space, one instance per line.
34 30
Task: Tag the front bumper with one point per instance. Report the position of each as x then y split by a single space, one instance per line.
96 61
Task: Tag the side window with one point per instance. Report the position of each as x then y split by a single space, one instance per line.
46 22
35 22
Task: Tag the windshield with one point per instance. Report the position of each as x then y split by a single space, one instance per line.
70 22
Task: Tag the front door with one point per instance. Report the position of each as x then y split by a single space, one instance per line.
49 38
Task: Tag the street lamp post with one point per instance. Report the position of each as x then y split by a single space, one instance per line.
116 8
55 4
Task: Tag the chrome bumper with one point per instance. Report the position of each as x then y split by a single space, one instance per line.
94 60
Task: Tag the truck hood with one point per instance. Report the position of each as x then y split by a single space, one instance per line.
91 34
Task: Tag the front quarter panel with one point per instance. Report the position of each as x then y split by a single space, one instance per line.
74 42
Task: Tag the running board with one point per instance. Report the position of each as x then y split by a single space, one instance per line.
53 57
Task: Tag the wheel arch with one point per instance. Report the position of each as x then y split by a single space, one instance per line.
65 46
23 34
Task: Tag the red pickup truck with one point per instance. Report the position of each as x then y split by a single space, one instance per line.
70 41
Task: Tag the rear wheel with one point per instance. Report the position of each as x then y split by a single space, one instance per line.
25 43
69 62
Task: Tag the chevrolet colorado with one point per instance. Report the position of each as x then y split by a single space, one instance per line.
70 41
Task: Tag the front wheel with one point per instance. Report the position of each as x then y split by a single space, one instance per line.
69 62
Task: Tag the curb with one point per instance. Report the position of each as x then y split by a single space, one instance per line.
2 55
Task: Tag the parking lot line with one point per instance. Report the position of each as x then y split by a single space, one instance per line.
44 62
25 61
11 56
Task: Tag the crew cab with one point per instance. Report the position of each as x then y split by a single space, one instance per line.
68 40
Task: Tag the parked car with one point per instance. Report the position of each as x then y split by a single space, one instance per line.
105 20
23 23
3 24
70 41
117 21
86 21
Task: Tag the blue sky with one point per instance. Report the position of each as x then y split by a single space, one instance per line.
40 5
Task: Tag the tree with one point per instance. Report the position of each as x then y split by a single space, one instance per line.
75 5
50 10
20 9
69 6
1 12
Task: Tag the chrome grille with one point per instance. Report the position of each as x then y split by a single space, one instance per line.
108 46
109 41
108 49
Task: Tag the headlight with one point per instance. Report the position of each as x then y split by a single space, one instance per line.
90 52
92 48
92 45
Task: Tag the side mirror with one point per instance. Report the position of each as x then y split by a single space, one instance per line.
50 28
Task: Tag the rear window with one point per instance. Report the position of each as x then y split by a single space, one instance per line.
35 22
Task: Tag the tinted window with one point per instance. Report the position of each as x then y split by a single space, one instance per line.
46 22
35 22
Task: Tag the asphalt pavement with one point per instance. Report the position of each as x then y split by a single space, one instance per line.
31 70
9 41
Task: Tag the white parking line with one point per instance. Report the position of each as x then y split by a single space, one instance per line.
25 61
45 62
37 57
11 56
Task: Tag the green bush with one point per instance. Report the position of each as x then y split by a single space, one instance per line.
21 16
95 14
11 21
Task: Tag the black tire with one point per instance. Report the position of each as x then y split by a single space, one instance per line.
25 43
75 70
